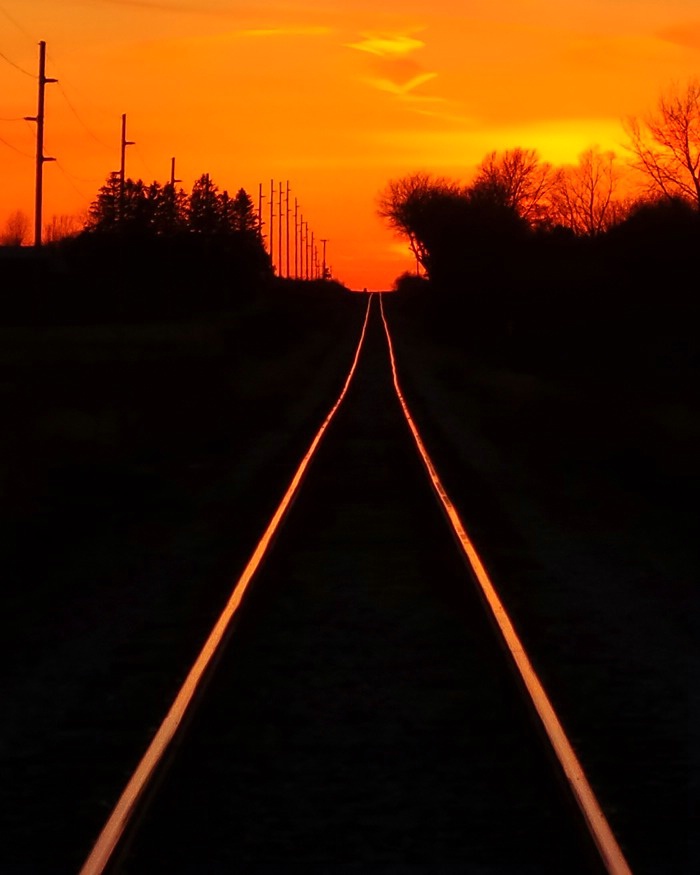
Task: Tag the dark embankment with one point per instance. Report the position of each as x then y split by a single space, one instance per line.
570 445
145 445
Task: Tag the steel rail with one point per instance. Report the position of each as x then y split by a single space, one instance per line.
117 822
603 837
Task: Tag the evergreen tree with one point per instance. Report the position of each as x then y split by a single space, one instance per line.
103 214
205 207
245 217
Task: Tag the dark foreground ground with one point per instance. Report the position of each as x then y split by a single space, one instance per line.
130 450
581 491
138 464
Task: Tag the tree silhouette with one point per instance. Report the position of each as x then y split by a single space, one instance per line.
517 178
452 230
412 203
170 214
665 146
204 215
16 231
243 213
104 211
583 196
156 210
61 227
138 207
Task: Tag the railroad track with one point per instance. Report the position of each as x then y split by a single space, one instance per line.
363 699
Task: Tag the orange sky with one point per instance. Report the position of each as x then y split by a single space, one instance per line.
337 98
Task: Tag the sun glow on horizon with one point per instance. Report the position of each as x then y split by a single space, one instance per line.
337 100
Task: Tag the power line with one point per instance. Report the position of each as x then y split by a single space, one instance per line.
82 122
61 89
91 181
17 25
70 179
15 149
17 66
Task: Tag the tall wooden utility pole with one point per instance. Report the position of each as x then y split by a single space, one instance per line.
296 239
279 236
323 275
122 166
261 197
40 157
286 216
302 245
272 224
313 257
172 173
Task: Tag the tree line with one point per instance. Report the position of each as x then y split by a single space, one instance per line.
162 210
546 262
134 207
145 251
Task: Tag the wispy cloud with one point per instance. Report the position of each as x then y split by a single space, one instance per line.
392 70
387 46
291 30
401 89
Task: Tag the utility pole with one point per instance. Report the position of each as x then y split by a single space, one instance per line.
306 251
323 275
296 239
261 197
313 253
279 222
122 166
272 224
40 157
172 173
302 246
286 216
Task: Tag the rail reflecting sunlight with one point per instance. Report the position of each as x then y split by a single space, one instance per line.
116 824
596 821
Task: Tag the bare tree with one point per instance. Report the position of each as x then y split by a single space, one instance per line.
61 227
16 230
518 179
408 204
665 146
583 197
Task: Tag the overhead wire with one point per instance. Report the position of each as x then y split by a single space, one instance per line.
15 149
80 119
16 23
17 66
72 179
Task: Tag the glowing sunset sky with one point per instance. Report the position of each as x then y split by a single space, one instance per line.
337 98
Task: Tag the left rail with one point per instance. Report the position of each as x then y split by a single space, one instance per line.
122 813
